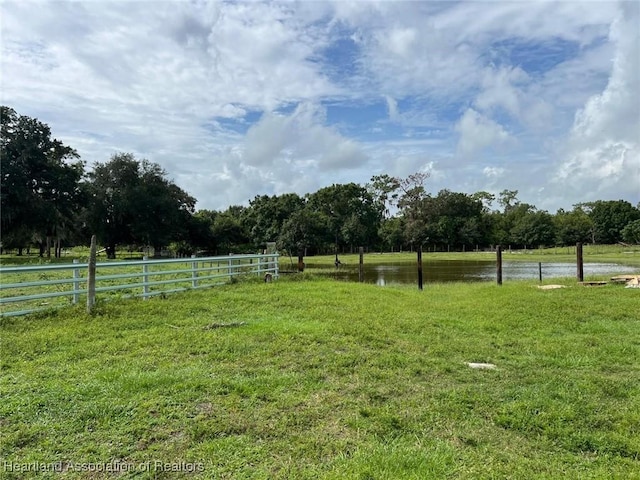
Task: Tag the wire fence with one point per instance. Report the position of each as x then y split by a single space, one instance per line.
373 268
28 289
463 271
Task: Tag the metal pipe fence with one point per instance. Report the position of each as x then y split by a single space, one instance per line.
28 289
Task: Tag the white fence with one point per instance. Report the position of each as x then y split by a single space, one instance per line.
29 289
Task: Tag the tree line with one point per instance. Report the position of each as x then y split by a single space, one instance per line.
49 201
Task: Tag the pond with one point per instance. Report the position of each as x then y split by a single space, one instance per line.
476 270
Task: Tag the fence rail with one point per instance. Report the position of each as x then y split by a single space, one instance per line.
23 289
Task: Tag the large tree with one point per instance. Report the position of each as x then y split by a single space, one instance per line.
503 222
384 190
534 228
200 232
631 233
572 227
609 219
132 202
229 230
454 219
304 229
266 215
351 213
412 205
40 178
391 233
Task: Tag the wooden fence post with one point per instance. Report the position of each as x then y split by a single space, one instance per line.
499 264
579 262
300 260
420 267
91 276
540 271
361 269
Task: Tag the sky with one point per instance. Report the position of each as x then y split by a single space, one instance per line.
238 99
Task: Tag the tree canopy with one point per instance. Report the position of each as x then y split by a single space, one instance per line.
40 193
132 202
47 198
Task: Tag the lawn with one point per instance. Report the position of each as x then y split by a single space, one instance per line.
309 378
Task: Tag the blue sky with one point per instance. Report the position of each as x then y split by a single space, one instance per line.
237 99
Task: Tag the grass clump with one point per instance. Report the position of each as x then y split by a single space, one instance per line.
322 379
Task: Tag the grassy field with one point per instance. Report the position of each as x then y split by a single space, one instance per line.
306 378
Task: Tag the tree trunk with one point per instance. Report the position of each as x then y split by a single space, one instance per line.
20 251
111 251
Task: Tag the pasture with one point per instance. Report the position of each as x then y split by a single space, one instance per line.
311 378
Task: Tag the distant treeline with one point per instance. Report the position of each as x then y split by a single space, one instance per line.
50 201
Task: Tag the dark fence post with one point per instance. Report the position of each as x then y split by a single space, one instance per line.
91 276
499 264
579 262
420 267
540 271
300 260
361 270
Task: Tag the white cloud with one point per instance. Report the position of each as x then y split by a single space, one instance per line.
500 90
530 20
392 108
280 153
300 139
478 132
603 149
401 41
493 172
236 99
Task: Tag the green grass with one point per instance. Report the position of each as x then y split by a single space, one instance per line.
322 379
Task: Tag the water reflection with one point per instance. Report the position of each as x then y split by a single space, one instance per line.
477 270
